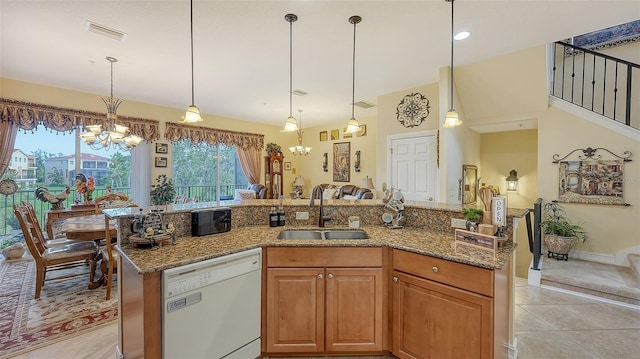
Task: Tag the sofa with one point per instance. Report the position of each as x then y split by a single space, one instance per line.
347 191
261 190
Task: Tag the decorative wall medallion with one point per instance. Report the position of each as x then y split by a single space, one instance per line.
413 110
8 186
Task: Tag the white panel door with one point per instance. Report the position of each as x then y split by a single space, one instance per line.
414 166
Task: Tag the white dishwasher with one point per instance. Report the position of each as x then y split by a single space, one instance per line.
211 309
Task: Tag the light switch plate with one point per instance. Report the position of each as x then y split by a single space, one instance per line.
302 215
459 223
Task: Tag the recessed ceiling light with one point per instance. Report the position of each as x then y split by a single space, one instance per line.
462 35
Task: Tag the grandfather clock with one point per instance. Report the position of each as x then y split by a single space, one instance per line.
273 180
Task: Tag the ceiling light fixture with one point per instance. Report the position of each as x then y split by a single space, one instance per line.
352 125
114 135
192 114
452 119
461 35
300 150
291 125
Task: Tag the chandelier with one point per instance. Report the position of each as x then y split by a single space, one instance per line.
113 135
300 150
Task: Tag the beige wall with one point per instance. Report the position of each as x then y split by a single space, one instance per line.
500 152
611 228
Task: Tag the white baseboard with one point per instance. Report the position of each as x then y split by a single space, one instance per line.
621 258
534 277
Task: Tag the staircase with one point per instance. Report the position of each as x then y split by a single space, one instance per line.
611 282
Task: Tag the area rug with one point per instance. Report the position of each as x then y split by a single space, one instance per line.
65 307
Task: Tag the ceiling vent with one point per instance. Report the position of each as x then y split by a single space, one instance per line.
364 104
299 92
105 31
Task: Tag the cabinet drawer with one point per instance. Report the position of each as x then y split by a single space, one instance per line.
324 257
464 276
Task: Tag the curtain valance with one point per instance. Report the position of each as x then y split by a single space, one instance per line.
176 132
27 116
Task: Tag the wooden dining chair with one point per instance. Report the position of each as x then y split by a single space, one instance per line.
47 242
54 258
110 257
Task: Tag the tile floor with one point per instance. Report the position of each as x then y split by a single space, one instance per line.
548 324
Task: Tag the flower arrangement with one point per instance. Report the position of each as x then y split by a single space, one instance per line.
273 148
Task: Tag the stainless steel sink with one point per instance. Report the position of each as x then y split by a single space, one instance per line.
323 234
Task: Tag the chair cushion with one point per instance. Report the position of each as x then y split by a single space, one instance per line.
114 254
70 250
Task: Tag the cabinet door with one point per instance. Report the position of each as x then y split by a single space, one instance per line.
295 310
432 320
354 309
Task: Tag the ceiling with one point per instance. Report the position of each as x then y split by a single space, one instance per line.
241 48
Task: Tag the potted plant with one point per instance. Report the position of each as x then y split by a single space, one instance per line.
559 233
273 148
473 217
164 192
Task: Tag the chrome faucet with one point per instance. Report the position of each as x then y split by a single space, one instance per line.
317 192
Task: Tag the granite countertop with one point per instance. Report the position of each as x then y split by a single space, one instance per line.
195 249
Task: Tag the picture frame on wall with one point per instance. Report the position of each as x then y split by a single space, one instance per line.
161 161
363 131
346 134
323 136
335 135
342 162
162 147
287 166
469 184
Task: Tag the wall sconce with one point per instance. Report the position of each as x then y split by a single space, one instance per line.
512 181
325 162
357 164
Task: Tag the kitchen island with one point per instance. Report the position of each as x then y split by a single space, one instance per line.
400 268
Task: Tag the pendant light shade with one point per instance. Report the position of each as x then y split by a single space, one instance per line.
291 125
192 115
451 119
300 149
352 125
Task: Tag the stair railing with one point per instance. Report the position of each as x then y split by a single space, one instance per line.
535 232
597 82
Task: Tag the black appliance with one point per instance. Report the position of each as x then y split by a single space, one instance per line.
210 221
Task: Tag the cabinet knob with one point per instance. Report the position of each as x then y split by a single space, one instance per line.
395 279
320 276
329 275
430 198
435 269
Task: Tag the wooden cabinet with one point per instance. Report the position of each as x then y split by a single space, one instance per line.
318 300
273 175
443 309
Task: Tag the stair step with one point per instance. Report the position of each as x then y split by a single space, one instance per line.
604 280
634 263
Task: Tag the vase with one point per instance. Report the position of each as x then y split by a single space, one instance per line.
558 247
14 252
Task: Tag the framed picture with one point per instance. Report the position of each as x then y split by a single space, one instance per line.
363 131
469 184
346 134
162 148
287 166
341 161
161 162
335 135
591 182
323 136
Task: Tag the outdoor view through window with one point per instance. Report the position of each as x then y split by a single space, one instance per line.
43 158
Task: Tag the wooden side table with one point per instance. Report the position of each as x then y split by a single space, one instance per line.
54 215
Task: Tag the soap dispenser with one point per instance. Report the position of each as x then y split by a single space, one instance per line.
273 217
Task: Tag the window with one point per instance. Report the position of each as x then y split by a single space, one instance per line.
195 171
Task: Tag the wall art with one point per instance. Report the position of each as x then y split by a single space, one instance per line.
341 161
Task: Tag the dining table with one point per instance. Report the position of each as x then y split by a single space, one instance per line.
90 228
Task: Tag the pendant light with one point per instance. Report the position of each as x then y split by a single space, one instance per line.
451 119
291 125
352 125
300 150
192 114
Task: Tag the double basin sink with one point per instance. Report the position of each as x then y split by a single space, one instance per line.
321 234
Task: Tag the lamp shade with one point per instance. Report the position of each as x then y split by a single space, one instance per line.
192 114
367 182
452 119
353 126
299 181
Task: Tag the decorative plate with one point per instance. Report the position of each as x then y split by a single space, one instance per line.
8 186
413 110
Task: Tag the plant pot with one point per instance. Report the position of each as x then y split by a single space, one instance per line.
14 252
558 247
